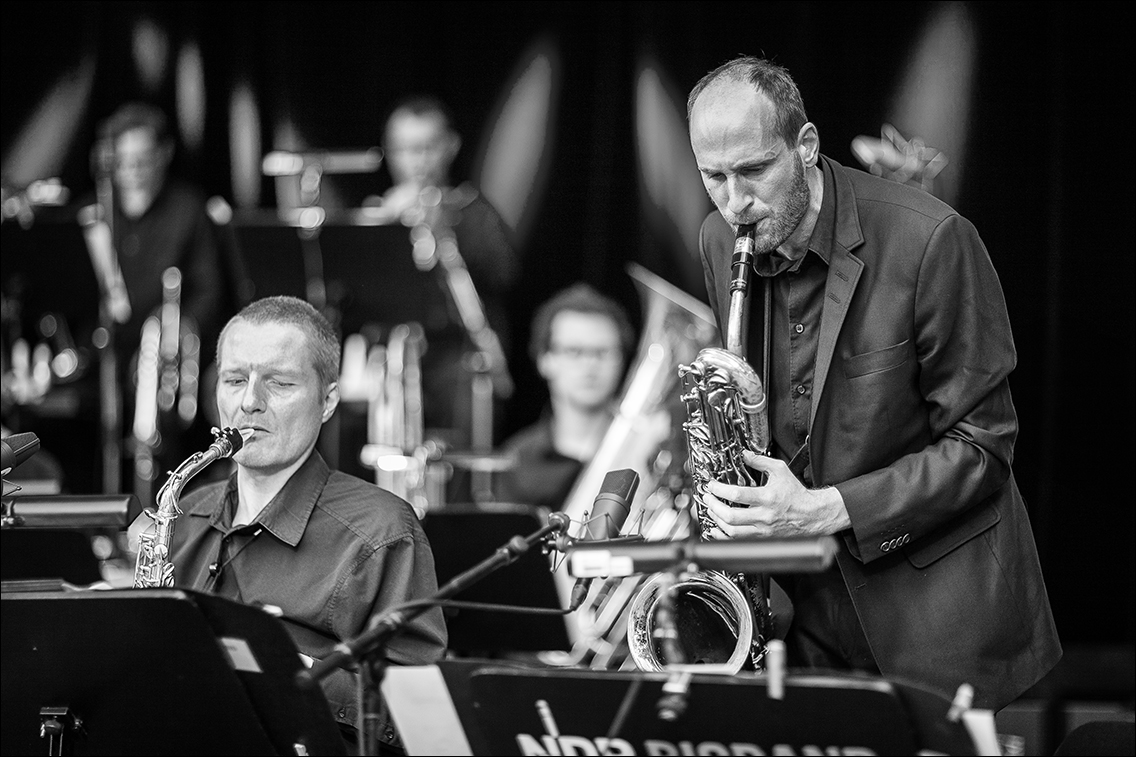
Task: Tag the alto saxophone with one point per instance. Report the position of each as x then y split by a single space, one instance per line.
723 620
153 568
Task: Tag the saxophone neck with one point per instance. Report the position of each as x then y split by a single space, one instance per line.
741 267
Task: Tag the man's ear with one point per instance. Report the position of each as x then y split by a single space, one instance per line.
453 145
544 365
808 144
330 401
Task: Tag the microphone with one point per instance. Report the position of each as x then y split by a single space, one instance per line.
609 512
15 449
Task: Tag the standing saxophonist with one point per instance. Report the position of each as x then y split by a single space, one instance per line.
330 550
889 348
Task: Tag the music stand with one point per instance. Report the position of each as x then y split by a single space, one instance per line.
33 555
510 710
44 542
368 270
271 252
459 532
33 260
154 671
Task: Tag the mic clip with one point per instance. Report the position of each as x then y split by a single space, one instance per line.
564 541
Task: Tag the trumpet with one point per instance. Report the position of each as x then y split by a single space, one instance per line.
167 380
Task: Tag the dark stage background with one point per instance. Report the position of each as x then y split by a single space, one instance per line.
1047 174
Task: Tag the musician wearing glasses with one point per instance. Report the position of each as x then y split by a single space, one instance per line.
890 415
330 550
580 340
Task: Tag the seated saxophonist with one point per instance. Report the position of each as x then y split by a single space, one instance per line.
330 550
890 414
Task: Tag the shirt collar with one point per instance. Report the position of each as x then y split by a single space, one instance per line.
820 242
287 514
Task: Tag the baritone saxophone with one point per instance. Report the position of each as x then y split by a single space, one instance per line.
721 619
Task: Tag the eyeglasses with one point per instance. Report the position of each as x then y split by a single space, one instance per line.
602 354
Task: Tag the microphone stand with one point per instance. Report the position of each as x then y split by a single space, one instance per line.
111 294
672 704
366 649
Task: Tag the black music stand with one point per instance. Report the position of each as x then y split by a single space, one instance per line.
271 253
368 270
154 671
35 257
462 534
510 710
47 538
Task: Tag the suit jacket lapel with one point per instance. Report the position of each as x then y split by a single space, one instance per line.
843 272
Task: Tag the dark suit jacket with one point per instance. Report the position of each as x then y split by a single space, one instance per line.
913 423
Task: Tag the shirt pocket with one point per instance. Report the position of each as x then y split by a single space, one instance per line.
877 360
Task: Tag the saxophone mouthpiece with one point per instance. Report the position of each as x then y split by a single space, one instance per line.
228 441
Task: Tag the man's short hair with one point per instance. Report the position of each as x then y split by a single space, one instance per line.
768 78
137 115
578 298
422 106
324 341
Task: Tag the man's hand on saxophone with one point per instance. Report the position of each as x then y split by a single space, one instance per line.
782 507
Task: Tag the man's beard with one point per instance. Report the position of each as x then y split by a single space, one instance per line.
786 220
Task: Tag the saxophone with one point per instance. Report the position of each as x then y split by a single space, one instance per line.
153 568
722 620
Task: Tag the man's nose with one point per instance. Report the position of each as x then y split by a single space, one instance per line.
252 399
739 198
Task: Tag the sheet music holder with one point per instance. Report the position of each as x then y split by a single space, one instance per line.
32 554
511 710
368 269
33 261
458 531
156 671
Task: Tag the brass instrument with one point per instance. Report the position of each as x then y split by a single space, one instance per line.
396 448
643 436
153 567
167 380
722 620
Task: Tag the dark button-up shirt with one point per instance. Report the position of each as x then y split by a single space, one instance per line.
797 303
542 476
330 550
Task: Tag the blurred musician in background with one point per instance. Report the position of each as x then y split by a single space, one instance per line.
160 221
157 222
580 342
420 145
329 549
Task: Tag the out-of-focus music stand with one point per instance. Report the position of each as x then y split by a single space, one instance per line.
154 671
368 269
35 256
510 710
46 538
458 531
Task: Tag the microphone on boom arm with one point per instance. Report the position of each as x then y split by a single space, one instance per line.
609 512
